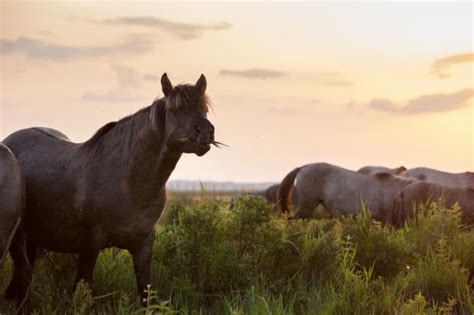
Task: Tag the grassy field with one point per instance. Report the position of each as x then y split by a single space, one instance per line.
216 256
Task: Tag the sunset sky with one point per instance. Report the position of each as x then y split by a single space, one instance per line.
349 83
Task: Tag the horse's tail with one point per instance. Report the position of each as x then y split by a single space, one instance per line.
285 189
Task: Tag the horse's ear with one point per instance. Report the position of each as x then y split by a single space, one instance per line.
166 85
201 84
401 169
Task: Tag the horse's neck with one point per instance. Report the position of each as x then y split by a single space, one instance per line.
135 156
150 166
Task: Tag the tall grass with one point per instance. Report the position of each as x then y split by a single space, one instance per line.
212 256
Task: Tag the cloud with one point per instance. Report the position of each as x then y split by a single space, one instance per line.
127 77
339 83
434 103
151 77
128 81
314 101
112 96
177 29
286 111
331 78
45 33
255 73
441 66
43 50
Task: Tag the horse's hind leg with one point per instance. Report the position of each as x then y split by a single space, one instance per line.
85 268
141 263
20 282
305 209
31 251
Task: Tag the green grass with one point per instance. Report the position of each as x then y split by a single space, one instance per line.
217 256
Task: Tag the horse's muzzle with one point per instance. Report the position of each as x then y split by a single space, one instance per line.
203 132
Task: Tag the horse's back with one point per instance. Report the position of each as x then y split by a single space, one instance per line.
52 133
459 180
41 134
316 172
369 170
336 187
423 173
345 191
38 146
423 192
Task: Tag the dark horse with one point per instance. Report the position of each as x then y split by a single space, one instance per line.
11 200
110 190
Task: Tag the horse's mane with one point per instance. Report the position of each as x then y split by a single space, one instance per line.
182 95
99 134
128 122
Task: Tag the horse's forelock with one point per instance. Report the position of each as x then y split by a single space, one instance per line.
186 95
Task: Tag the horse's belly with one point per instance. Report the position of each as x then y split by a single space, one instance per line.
52 233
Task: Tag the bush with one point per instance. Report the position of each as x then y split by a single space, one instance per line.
215 257
440 278
377 247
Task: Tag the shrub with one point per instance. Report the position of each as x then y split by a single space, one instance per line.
213 257
440 278
377 247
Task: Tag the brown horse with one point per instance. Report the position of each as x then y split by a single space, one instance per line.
421 193
110 190
271 194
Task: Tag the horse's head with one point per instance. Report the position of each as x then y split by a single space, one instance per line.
186 126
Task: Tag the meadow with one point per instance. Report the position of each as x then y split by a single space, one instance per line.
214 254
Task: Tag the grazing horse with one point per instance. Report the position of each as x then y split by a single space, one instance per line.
11 200
271 194
341 191
422 193
370 170
456 180
110 190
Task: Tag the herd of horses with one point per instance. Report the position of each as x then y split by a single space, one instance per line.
110 190
389 195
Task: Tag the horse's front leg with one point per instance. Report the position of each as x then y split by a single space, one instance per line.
142 264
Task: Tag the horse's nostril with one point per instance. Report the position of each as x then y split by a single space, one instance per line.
197 128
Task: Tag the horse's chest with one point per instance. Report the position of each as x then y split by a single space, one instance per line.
142 219
128 228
